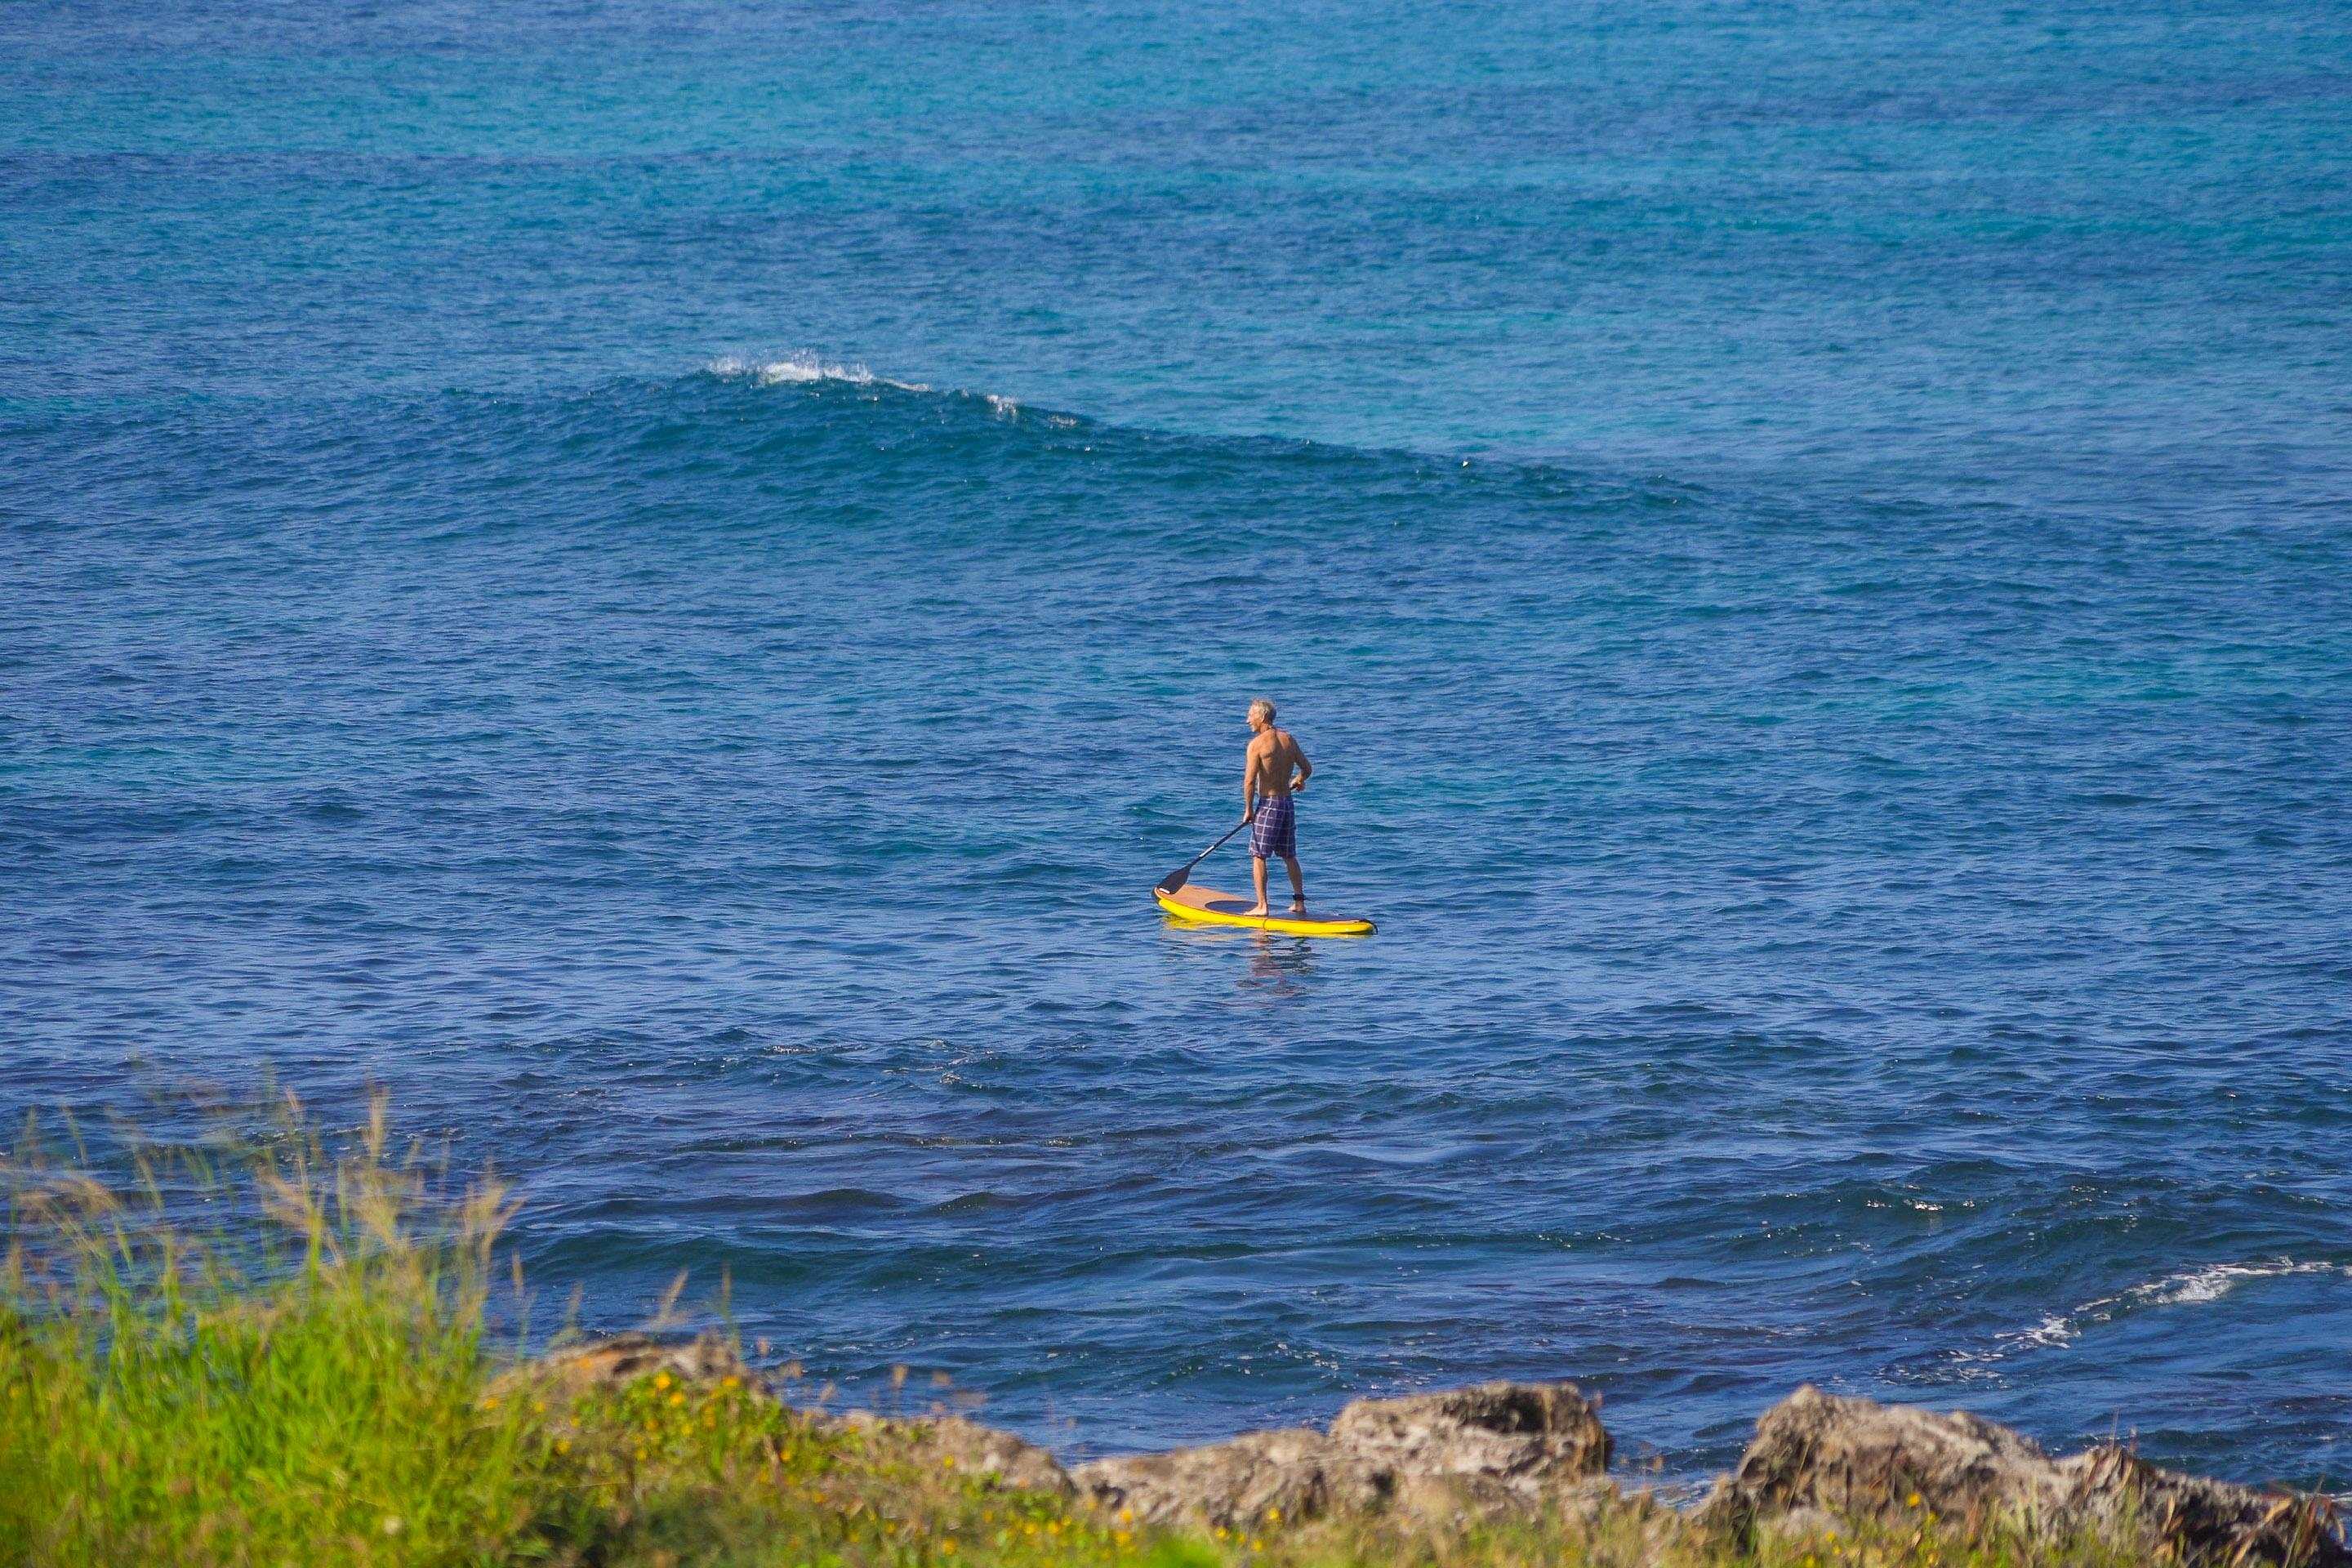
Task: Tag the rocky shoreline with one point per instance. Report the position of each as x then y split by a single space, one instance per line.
1498 1452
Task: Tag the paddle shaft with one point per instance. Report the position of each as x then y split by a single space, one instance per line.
1175 879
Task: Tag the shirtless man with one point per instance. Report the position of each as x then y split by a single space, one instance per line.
1267 785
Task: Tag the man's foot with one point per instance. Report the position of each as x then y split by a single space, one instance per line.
1255 913
1298 906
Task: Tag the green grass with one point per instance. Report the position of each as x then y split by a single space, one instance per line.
322 1389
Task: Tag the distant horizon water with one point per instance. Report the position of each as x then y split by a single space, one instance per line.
660 582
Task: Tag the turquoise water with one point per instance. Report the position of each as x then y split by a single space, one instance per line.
661 581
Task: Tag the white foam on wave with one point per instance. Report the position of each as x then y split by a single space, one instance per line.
2190 1286
800 368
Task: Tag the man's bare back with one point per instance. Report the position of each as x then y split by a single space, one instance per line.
1273 758
1274 769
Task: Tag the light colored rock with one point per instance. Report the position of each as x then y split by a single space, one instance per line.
975 1450
1818 1459
621 1359
1507 1450
2209 1521
1497 1448
1526 1437
1254 1478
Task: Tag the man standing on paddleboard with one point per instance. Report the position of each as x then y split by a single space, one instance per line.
1267 785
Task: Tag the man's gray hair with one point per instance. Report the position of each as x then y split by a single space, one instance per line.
1262 708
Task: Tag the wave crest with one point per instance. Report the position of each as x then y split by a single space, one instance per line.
801 368
2190 1286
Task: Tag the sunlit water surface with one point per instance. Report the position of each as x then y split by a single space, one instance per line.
660 581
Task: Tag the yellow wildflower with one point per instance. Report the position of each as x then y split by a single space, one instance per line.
677 1399
661 1379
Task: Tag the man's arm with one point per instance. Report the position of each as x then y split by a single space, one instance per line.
1249 784
1306 768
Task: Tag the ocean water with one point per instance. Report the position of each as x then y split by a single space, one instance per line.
661 580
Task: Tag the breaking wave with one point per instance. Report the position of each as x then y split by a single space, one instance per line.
2189 1287
797 370
801 368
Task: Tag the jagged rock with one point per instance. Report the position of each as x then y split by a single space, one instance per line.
1291 1474
1517 1451
1500 1447
2209 1521
609 1362
976 1449
1819 1459
1509 1432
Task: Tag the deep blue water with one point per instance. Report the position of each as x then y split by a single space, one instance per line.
661 580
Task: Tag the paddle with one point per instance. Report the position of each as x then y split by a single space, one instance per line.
1175 879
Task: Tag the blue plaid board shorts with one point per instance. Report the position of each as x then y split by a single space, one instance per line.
1274 831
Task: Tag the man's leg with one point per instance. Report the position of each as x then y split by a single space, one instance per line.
1298 882
1257 874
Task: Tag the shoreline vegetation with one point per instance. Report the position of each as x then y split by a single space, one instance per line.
319 1381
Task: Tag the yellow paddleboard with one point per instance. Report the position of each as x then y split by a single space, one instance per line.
1206 906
